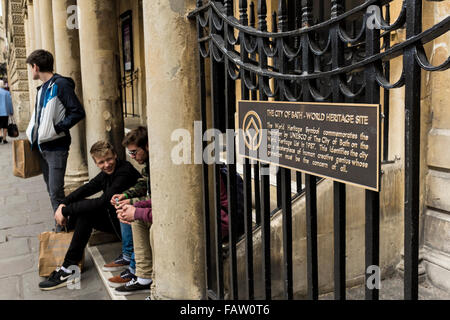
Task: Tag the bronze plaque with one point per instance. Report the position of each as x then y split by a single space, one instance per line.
331 140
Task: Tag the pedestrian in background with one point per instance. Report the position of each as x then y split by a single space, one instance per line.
6 110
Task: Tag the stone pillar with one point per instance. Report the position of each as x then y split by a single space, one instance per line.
173 103
67 62
37 25
100 75
46 21
437 214
31 45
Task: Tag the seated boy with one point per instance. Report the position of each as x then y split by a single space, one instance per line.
81 214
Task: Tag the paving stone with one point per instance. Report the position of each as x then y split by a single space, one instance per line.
33 186
28 230
36 196
18 208
33 244
18 265
97 295
44 204
10 288
14 200
8 192
38 178
10 221
5 186
2 237
40 217
15 247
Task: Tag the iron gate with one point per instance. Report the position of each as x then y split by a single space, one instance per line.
316 51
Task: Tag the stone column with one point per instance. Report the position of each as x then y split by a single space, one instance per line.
437 214
173 103
67 62
31 45
46 21
100 75
37 25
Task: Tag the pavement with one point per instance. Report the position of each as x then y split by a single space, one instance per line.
392 289
25 212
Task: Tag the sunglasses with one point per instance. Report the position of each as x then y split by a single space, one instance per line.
132 152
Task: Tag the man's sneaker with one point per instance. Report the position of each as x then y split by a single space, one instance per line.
118 264
57 279
132 287
1 139
121 279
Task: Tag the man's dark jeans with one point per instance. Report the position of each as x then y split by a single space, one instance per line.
82 225
53 164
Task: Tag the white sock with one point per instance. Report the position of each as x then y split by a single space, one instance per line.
65 270
143 281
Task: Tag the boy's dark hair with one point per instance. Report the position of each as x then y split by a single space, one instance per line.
43 59
136 136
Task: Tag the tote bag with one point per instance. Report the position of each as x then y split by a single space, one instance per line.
26 162
52 250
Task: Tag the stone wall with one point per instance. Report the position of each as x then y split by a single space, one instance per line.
17 68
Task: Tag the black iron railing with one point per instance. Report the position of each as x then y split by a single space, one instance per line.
128 92
317 51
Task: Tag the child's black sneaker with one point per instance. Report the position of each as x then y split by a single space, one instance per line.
57 279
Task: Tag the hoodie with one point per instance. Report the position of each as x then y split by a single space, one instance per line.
61 110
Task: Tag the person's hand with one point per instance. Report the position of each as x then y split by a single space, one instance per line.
124 222
126 213
60 219
123 203
119 197
119 212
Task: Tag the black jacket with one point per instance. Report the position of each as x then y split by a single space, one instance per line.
124 177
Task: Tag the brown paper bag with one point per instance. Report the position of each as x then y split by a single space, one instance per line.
26 161
52 250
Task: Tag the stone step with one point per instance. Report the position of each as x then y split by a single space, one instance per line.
105 253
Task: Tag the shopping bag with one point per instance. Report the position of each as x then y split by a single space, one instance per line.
52 250
26 162
13 131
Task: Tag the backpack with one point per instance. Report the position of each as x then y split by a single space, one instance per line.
239 199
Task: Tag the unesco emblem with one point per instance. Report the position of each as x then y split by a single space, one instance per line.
252 127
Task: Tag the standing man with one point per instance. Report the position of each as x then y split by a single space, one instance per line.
6 110
57 110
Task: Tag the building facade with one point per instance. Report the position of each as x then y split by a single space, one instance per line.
136 63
